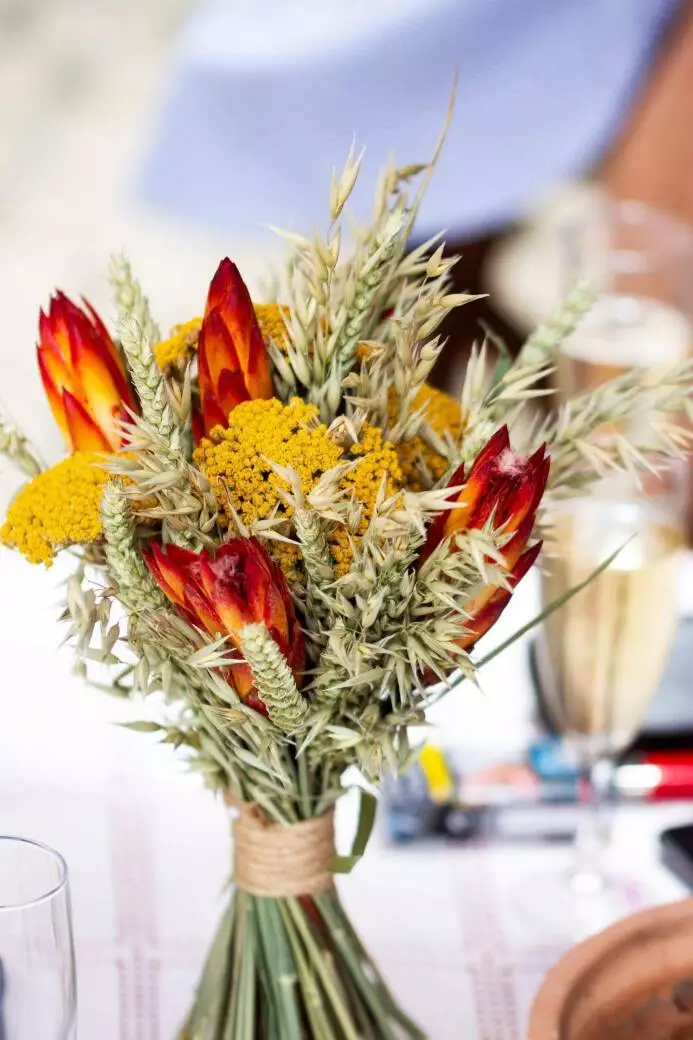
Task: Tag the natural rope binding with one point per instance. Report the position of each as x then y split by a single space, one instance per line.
274 860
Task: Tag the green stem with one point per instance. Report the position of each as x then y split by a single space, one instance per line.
321 966
396 1012
371 997
282 975
211 1000
304 786
241 899
315 1009
292 969
245 1027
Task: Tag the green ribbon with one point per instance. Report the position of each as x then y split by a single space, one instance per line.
367 808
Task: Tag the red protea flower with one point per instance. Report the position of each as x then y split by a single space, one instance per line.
240 585
83 376
233 364
506 488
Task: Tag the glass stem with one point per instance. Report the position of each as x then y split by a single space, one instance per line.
595 822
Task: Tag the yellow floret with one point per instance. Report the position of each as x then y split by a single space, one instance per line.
182 343
270 318
443 414
180 346
236 461
379 459
57 508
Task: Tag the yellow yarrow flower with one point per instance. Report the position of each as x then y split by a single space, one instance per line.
443 415
236 462
180 346
182 343
235 459
270 317
59 507
364 481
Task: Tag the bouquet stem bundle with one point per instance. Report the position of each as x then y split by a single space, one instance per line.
290 966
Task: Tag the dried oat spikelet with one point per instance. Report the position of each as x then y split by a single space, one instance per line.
15 446
130 301
541 344
183 499
138 333
580 455
314 548
148 380
275 684
135 584
310 530
368 280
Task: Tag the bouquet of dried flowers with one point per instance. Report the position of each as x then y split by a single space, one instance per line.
286 531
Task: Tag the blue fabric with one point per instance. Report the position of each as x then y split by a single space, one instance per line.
265 97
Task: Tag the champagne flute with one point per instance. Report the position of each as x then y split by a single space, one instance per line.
605 651
640 262
37 968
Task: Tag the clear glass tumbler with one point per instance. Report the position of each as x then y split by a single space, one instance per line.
37 966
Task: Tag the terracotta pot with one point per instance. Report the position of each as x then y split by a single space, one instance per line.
632 982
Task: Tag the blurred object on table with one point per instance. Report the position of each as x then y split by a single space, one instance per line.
640 262
668 724
535 799
677 852
607 648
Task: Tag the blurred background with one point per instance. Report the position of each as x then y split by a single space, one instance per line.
176 129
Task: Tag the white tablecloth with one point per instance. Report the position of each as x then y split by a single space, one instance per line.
464 934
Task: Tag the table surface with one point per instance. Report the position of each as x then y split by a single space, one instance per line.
463 933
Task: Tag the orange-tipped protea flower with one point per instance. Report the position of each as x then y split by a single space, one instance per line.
239 586
232 357
83 376
503 488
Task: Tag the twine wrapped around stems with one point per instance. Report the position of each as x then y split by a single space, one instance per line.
274 860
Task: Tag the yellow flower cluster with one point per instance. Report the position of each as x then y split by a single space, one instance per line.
57 508
270 318
182 343
379 459
443 414
180 346
236 462
235 459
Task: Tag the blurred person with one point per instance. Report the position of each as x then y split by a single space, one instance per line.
264 99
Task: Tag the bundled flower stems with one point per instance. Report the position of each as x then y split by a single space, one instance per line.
292 543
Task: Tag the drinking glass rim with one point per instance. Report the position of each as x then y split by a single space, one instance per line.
51 893
631 212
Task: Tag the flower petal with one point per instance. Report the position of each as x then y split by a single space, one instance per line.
229 298
84 433
54 395
486 609
77 355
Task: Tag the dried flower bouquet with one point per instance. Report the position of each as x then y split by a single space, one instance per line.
299 542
